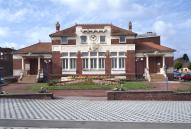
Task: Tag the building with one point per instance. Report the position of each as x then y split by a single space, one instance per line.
6 62
97 49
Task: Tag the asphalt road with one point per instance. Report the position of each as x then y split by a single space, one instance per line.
91 124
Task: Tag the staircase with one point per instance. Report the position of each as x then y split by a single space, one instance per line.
28 79
157 77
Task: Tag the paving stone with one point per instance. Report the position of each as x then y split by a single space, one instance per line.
95 110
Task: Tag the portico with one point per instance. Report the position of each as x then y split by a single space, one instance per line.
155 62
31 60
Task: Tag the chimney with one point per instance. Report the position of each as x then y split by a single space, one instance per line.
57 26
130 26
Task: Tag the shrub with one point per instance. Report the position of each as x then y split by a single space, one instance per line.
52 82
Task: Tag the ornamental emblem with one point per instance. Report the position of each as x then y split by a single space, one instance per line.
93 37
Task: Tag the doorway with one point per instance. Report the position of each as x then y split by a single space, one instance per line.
155 63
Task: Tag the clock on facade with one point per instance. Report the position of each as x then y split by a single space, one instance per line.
93 37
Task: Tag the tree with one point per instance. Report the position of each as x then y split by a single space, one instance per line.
186 58
189 66
178 65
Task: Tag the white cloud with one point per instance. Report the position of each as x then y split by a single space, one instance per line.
102 9
9 45
163 28
4 31
38 33
185 24
12 15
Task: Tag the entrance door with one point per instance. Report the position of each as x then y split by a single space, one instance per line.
33 66
155 63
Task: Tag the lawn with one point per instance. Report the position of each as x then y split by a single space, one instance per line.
187 89
91 86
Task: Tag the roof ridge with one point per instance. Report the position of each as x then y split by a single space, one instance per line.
155 45
84 24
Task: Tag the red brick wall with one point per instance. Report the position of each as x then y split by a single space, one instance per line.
56 64
58 42
55 42
17 64
79 64
149 39
140 66
71 42
130 65
169 61
107 64
114 41
148 95
128 41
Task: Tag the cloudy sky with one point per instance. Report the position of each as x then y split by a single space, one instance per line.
25 22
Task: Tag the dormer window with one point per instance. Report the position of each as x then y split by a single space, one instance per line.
64 40
122 39
102 40
83 39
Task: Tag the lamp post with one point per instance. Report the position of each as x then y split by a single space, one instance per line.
46 77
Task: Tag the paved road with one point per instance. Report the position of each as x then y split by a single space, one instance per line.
28 124
88 113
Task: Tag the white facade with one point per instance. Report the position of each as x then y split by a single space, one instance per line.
93 46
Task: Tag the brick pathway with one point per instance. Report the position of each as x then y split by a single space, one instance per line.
86 110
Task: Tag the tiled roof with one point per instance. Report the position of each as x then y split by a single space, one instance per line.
71 31
151 47
41 47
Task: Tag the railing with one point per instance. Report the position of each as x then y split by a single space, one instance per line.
39 74
147 75
163 72
22 74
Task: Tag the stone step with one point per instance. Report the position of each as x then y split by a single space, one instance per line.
157 77
28 79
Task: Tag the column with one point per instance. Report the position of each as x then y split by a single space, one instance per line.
23 67
130 65
147 61
107 63
163 61
79 64
38 63
56 65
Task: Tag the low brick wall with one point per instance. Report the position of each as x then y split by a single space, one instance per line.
148 95
29 96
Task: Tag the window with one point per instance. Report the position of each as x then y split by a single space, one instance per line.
101 53
84 54
65 63
101 63
93 53
121 63
122 39
113 53
72 63
72 54
83 39
85 63
64 54
64 40
93 63
121 53
102 39
114 63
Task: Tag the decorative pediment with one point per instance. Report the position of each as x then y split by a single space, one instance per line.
93 30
